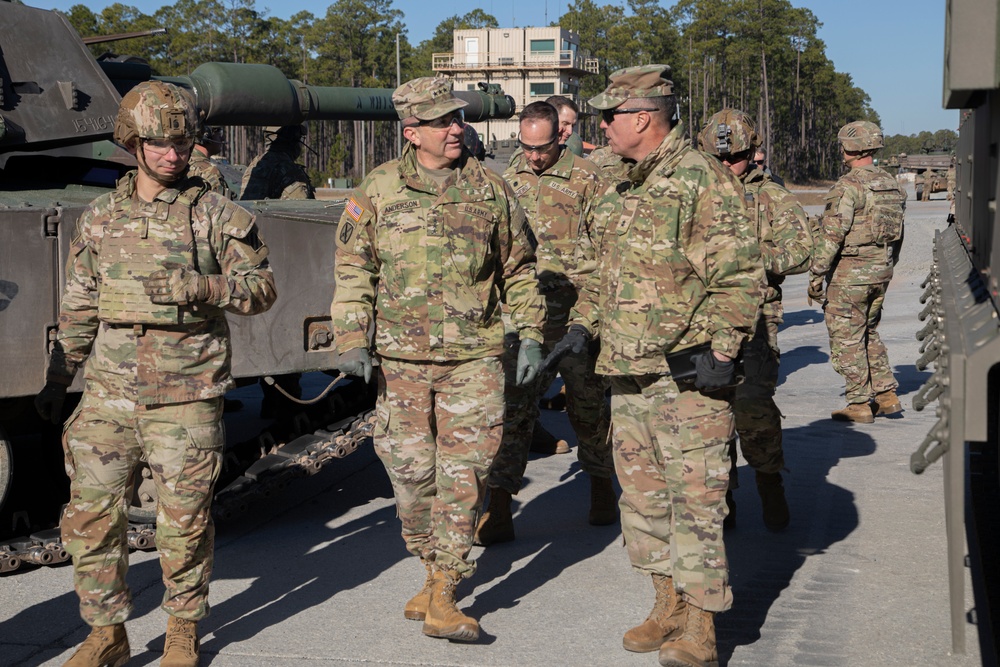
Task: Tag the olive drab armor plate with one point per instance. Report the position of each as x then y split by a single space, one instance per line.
881 221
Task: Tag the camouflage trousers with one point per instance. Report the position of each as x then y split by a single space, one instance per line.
671 456
852 315
758 420
103 441
439 427
586 406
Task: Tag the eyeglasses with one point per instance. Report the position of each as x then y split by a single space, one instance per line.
444 122
540 148
163 146
608 115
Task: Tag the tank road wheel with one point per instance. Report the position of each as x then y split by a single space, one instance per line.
142 505
6 461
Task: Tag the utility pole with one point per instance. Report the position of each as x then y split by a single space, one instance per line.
399 127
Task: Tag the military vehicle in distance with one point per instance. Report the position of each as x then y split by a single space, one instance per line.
57 110
962 332
931 172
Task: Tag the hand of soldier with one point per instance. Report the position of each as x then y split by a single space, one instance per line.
574 342
179 286
356 362
815 292
529 361
49 401
712 373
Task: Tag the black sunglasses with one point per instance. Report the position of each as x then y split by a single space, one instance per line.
540 148
608 115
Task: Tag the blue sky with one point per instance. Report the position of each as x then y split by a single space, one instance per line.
893 49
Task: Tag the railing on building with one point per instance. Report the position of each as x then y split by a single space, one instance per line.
532 60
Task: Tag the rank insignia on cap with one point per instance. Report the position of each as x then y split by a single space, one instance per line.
354 209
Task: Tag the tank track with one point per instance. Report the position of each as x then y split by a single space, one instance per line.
277 466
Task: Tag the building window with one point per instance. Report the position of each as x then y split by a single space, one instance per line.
543 89
543 45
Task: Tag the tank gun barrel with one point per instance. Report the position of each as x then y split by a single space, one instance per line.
101 39
254 94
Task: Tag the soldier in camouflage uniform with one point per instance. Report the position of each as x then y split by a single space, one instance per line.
275 174
615 169
556 189
785 245
679 270
569 113
208 144
154 266
429 246
856 248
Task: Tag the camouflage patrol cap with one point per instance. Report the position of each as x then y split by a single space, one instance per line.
860 136
155 110
633 82
425 98
727 132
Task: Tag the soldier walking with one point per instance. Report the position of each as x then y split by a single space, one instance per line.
785 246
678 269
429 246
857 246
153 267
556 189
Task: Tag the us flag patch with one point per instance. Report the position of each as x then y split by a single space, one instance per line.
354 209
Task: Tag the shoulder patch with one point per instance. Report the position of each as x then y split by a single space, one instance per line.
236 220
354 209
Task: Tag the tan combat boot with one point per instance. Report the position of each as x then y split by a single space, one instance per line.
695 646
887 403
662 623
860 413
105 645
180 649
416 608
603 503
543 442
496 524
772 499
443 617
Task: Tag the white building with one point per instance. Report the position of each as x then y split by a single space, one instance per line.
530 64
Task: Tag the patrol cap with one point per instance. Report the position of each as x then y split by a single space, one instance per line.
635 82
861 135
425 98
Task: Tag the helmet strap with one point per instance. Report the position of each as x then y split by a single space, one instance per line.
140 157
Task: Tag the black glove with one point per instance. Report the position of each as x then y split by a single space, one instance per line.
49 401
574 342
356 362
712 374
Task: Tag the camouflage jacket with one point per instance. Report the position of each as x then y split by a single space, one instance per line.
275 175
201 166
429 265
148 363
614 167
851 247
557 204
679 264
782 229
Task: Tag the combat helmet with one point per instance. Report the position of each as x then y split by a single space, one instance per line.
155 110
860 136
728 132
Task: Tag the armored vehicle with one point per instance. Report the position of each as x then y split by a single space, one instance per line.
931 172
57 111
961 336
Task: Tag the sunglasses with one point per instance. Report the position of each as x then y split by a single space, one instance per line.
444 122
608 115
540 148
163 146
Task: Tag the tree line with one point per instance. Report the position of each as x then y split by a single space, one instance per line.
762 56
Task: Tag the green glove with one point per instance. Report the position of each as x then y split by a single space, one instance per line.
178 286
529 361
356 362
49 401
816 292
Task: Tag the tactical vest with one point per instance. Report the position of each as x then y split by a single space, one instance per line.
881 220
139 238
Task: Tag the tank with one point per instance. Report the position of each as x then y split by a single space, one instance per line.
961 327
57 111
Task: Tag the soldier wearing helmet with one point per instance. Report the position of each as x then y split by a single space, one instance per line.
785 245
274 174
207 144
153 268
856 245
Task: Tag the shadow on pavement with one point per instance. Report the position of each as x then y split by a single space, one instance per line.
798 358
762 563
